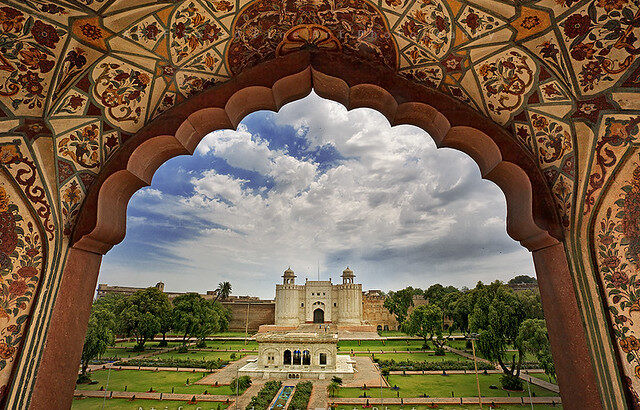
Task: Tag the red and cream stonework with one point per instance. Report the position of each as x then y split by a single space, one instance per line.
96 94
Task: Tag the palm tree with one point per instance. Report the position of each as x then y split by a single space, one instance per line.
333 388
223 291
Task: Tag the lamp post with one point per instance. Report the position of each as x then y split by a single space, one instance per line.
473 337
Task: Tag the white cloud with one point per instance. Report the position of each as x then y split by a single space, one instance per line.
396 209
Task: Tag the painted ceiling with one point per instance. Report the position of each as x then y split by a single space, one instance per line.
78 78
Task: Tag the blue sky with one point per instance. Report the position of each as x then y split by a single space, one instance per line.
316 186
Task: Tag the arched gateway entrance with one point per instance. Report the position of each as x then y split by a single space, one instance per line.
318 316
531 218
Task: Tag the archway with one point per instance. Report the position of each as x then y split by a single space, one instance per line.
286 357
297 357
531 218
318 316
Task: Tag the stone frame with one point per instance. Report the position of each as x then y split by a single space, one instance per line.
531 215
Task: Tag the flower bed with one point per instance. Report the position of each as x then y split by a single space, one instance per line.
301 395
265 396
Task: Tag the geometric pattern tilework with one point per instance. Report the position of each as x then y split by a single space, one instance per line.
80 77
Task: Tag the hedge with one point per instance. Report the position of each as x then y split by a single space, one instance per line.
300 399
265 396
202 364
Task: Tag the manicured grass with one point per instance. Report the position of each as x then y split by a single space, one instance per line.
415 357
96 404
111 352
231 334
348 345
392 333
463 385
200 355
232 344
151 344
142 380
465 407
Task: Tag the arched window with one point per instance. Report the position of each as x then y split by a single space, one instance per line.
296 357
287 357
386 328
306 358
379 328
323 359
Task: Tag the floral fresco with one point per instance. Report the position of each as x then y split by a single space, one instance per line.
79 79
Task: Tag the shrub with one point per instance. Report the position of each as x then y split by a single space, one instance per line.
511 382
243 384
182 349
265 396
300 399
439 351
84 379
201 344
148 362
392 365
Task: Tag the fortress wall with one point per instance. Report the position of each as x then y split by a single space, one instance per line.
261 313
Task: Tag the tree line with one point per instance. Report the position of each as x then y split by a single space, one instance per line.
149 312
506 324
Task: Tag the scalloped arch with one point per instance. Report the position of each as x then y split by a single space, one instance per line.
114 192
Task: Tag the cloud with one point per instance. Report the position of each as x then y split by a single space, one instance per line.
317 186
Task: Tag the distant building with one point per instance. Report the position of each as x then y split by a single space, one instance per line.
342 304
319 301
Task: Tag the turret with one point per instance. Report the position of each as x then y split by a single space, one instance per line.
347 276
289 277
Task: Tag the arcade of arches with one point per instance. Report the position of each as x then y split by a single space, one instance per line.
543 95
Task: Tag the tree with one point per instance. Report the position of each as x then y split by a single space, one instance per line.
244 382
523 279
426 321
99 335
333 389
531 303
193 316
437 293
223 291
140 314
534 338
166 324
497 316
398 303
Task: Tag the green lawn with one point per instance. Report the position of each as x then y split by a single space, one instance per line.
463 385
415 357
392 333
149 344
232 334
232 344
142 380
111 352
348 345
465 407
96 404
199 355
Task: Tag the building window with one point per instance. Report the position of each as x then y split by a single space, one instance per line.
287 357
302 304
296 357
335 304
323 359
306 358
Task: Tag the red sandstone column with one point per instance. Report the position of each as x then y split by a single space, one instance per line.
574 368
58 370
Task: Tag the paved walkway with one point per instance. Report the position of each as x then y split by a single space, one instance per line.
526 377
447 400
226 374
245 398
418 372
319 396
367 372
153 396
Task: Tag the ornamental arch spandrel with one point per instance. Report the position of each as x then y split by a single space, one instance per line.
96 94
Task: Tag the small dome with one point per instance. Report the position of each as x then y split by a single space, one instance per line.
288 272
347 272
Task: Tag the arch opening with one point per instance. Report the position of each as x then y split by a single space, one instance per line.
318 316
134 167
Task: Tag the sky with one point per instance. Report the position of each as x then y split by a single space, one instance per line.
317 188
